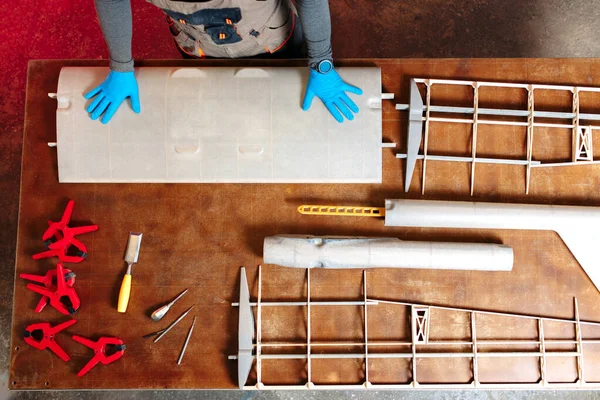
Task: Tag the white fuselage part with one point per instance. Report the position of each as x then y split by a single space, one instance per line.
576 225
299 251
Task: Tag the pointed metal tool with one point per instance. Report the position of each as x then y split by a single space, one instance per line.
187 340
146 336
245 331
173 324
161 311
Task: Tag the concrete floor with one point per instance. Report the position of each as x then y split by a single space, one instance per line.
295 395
395 28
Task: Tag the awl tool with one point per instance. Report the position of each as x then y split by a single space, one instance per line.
187 339
162 311
148 335
131 257
173 324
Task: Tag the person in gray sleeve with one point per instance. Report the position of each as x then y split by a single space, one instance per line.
225 29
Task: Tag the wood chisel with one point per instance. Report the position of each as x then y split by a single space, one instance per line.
131 257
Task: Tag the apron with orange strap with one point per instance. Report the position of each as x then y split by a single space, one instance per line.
229 28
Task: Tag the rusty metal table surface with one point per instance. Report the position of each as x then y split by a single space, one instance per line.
198 235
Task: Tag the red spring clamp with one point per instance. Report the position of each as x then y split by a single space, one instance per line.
59 237
64 298
41 337
99 348
49 281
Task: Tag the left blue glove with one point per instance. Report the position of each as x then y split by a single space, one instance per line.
111 93
331 89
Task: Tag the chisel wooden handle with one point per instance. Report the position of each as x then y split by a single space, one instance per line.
124 293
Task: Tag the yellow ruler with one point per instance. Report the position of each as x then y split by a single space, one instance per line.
348 211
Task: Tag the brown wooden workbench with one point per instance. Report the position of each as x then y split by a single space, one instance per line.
197 236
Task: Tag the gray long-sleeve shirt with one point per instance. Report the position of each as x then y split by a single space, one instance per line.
115 20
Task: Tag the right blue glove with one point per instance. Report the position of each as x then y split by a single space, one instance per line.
110 94
331 89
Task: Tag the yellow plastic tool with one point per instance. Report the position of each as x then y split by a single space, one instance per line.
131 257
349 211
124 293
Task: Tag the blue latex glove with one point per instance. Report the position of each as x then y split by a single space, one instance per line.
110 94
331 89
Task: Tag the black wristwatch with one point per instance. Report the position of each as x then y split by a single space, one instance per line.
323 66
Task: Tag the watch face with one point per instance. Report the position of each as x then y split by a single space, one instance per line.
325 66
